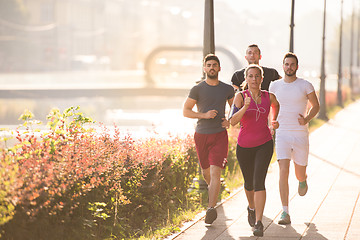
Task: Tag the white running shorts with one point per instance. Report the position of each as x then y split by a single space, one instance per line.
292 145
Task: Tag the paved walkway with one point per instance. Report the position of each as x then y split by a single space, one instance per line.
330 209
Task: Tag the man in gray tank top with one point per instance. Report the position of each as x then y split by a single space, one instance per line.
211 139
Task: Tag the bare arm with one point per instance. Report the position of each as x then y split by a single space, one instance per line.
225 122
231 101
275 107
314 109
188 110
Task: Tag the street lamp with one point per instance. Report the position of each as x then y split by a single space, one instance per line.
209 47
358 40
209 33
322 113
339 92
351 55
291 48
358 46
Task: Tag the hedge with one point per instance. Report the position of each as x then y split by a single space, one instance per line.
80 180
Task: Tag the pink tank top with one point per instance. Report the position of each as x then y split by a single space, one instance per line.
254 129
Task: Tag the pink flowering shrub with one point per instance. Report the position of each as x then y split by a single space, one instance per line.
77 181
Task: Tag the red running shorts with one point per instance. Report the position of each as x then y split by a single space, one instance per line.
212 149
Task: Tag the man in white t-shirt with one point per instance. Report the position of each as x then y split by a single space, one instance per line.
292 136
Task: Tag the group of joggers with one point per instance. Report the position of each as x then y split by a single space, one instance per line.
267 107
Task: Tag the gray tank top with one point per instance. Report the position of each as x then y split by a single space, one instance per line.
208 98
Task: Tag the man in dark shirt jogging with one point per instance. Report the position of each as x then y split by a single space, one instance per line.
211 138
253 56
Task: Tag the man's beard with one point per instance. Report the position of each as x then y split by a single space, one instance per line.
214 76
290 74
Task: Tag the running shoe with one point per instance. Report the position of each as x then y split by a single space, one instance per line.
251 217
303 187
258 229
211 215
284 219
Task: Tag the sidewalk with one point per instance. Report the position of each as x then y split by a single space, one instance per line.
330 209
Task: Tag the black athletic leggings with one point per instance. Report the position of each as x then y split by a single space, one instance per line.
254 163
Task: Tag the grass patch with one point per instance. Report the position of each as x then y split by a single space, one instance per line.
196 203
171 224
235 180
331 112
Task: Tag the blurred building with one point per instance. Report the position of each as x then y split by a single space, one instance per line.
62 35
56 35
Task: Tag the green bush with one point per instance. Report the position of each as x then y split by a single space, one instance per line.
81 181
8 183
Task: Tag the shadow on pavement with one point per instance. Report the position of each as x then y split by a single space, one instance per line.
218 227
275 231
313 233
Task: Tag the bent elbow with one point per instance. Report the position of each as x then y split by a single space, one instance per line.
184 112
317 109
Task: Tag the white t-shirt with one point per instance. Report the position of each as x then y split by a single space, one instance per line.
293 100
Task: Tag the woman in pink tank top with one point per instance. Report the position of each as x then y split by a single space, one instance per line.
255 148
